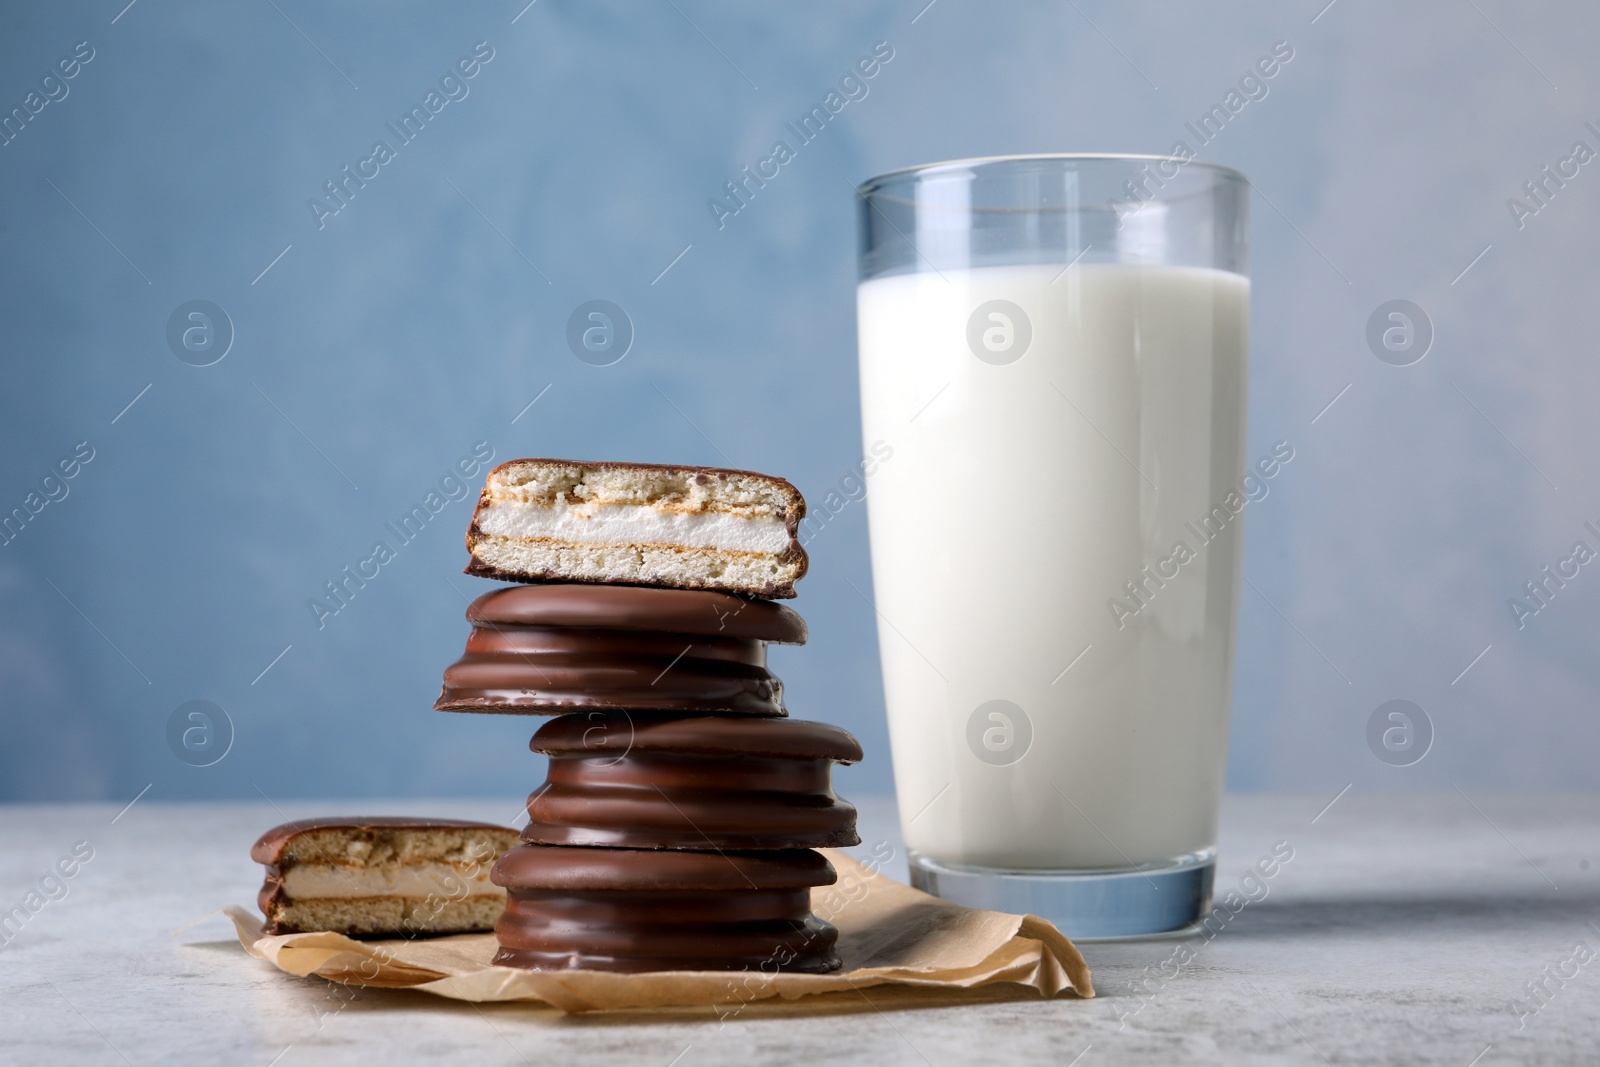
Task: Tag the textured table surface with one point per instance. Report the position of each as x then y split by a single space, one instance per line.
1404 929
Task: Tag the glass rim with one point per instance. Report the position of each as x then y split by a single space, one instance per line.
866 188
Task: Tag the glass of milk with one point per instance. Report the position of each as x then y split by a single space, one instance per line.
1054 351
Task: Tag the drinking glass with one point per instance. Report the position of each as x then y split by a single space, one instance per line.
1053 356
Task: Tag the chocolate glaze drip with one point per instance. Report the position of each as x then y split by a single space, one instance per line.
269 897
555 648
696 783
619 910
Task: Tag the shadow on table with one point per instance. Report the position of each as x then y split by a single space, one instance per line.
1407 913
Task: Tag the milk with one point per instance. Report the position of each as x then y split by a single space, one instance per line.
1023 493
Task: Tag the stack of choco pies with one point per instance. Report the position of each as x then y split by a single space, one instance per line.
675 829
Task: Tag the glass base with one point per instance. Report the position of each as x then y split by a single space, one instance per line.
1165 898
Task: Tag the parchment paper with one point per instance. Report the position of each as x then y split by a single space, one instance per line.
889 935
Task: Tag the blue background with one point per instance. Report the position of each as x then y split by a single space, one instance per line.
432 309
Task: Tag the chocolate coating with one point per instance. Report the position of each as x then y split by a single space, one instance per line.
616 733
629 607
551 867
547 649
707 782
619 910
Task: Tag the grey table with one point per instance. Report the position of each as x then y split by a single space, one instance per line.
1405 929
